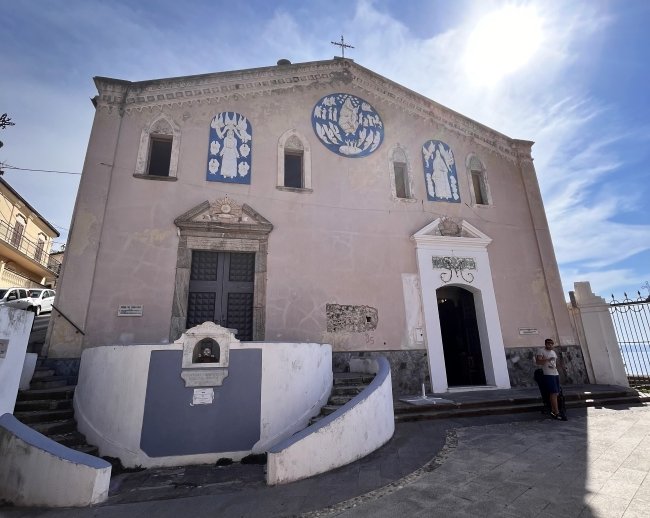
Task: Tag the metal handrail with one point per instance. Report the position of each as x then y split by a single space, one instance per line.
70 321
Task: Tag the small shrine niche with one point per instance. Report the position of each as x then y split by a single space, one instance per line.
206 351
206 354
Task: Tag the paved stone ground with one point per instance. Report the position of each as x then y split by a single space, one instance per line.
594 465
597 465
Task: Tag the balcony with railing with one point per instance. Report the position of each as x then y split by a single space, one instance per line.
15 237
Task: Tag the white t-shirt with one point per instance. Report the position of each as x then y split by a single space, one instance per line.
549 367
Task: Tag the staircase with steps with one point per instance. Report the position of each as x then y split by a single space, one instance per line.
47 408
346 385
517 400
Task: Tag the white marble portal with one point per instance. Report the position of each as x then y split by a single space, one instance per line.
453 253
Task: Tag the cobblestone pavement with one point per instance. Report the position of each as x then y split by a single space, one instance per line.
594 465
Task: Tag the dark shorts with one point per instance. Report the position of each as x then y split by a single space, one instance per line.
552 384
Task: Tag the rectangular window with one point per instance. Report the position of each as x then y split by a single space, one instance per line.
479 190
38 254
293 170
160 155
17 235
401 190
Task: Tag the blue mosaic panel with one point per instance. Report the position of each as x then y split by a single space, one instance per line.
230 149
440 175
347 125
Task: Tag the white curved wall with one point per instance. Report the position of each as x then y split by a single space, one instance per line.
358 428
35 470
110 397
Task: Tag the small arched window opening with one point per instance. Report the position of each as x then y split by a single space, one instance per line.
399 172
294 162
294 154
158 152
478 181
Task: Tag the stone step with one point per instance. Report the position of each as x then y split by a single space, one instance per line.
508 402
69 439
340 400
86 448
315 419
347 390
55 427
41 373
519 406
42 404
352 378
328 409
44 416
49 382
65 392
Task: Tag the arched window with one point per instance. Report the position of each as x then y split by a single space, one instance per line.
294 162
399 174
158 151
19 230
478 181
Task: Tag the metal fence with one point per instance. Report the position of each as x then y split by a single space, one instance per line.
631 318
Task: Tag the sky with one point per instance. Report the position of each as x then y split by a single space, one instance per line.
570 75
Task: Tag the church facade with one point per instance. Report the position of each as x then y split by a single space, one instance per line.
311 202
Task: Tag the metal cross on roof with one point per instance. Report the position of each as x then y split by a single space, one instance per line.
343 46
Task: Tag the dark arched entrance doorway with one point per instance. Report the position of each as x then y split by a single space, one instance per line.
460 337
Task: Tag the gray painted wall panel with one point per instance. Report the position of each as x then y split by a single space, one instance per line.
171 426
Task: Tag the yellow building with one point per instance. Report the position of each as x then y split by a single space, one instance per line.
25 242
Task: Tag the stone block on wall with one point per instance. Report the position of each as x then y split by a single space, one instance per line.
521 365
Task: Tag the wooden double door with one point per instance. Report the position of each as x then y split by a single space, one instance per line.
221 291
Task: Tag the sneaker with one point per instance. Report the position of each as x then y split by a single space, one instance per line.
557 417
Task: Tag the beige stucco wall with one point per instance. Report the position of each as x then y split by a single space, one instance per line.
24 263
347 242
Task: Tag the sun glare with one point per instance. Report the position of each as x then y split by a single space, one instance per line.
502 42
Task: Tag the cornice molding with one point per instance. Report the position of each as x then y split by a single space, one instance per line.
156 95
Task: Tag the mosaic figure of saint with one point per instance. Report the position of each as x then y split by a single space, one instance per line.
440 172
230 155
440 177
347 125
230 148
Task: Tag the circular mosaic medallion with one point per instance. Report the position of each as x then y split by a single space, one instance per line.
347 125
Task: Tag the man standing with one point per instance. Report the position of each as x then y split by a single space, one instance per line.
547 359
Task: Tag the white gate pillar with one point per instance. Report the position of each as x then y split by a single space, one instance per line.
598 337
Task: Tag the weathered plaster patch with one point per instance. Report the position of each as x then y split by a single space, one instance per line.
353 319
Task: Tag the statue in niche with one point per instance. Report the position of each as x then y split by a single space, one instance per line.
440 172
207 353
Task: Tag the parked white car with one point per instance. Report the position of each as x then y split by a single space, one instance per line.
15 298
41 300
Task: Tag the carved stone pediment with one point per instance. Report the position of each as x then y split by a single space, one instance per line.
224 215
453 231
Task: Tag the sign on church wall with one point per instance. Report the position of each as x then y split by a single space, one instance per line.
440 172
230 149
347 125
